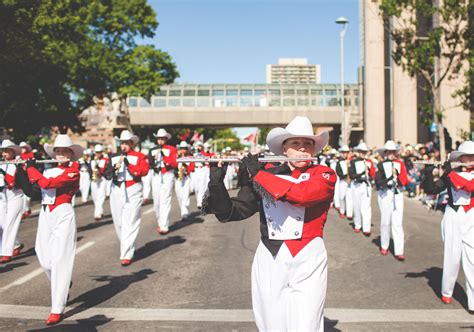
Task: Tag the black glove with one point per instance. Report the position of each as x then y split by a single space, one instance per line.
216 173
125 160
447 167
31 163
250 162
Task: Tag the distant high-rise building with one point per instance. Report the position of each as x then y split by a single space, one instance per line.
293 71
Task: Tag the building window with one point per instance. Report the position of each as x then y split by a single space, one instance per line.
161 93
203 93
232 92
218 93
174 102
175 93
189 93
203 102
159 102
188 102
246 93
132 102
144 103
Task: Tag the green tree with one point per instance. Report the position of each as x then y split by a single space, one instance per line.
437 56
55 55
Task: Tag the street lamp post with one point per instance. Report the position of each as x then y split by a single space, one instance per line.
343 21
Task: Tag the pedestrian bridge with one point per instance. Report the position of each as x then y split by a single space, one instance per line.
246 105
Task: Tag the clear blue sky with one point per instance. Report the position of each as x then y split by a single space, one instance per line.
231 41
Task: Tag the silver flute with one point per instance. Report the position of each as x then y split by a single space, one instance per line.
21 161
437 163
268 159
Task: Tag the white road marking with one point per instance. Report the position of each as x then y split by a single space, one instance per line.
150 210
240 315
39 271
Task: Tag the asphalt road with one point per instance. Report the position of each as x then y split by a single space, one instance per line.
197 278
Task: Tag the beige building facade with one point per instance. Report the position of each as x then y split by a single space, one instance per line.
293 71
391 98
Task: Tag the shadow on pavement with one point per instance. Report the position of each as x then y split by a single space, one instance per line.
156 245
330 325
376 242
434 276
96 224
193 218
86 325
11 266
114 286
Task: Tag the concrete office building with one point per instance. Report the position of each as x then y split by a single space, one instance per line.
391 99
293 71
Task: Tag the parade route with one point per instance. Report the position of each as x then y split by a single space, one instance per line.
197 278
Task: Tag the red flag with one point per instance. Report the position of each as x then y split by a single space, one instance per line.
195 136
185 135
252 138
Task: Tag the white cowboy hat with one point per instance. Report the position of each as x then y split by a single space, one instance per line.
344 148
162 133
26 146
125 135
98 148
198 143
389 145
64 141
466 148
361 147
183 145
7 144
228 149
207 145
300 126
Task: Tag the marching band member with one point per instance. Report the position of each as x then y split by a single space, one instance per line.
98 183
361 171
26 153
162 160
56 237
146 180
391 175
126 169
231 170
183 180
200 175
344 193
11 202
457 226
289 271
85 176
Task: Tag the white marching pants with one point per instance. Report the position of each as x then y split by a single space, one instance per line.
288 293
11 207
84 185
335 199
181 188
26 203
55 248
229 175
162 187
201 174
457 230
108 185
125 205
391 220
361 196
146 180
98 192
345 198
